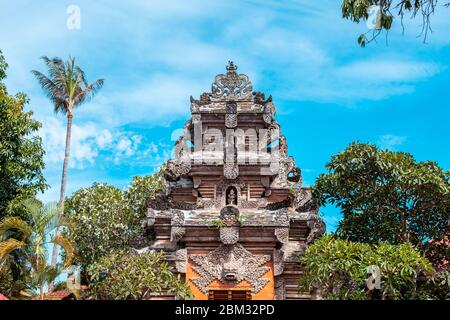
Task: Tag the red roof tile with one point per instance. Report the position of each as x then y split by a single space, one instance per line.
2 297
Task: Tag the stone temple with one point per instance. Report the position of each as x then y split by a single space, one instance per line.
234 219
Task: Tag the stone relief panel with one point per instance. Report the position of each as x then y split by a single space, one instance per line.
180 262
230 264
177 225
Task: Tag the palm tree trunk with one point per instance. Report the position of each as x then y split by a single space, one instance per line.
63 187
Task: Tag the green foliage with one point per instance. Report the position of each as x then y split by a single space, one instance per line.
124 275
21 151
143 189
339 269
436 286
105 218
386 196
217 223
34 240
357 10
66 85
102 222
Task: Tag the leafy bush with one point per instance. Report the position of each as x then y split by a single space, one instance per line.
101 222
387 196
339 269
141 190
105 218
124 275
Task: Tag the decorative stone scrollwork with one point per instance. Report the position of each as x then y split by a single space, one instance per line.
295 175
285 166
196 118
231 120
180 262
177 225
229 233
253 204
259 98
280 289
231 85
316 226
303 200
278 262
231 107
269 112
208 203
231 170
176 168
281 219
230 264
205 98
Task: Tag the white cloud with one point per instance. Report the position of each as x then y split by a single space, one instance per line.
390 141
89 141
379 70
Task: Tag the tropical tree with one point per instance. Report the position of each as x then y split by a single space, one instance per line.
106 219
340 269
129 275
33 239
386 196
66 86
21 151
387 11
102 223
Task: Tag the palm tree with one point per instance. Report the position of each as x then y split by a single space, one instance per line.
67 88
33 238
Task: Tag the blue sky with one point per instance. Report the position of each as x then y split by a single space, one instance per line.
155 54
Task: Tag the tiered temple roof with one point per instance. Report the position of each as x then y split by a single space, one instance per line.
234 215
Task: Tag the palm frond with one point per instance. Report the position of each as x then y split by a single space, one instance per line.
89 92
82 75
6 247
53 91
68 248
50 216
10 223
56 70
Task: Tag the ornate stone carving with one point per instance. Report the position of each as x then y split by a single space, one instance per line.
177 225
278 205
269 112
176 168
295 175
253 204
229 233
316 226
230 170
230 264
196 118
303 201
281 218
285 165
231 107
180 262
278 262
231 120
205 98
280 289
208 203
259 98
231 85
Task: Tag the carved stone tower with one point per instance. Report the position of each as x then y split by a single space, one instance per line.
235 219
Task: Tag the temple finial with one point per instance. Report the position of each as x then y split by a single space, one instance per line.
231 66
